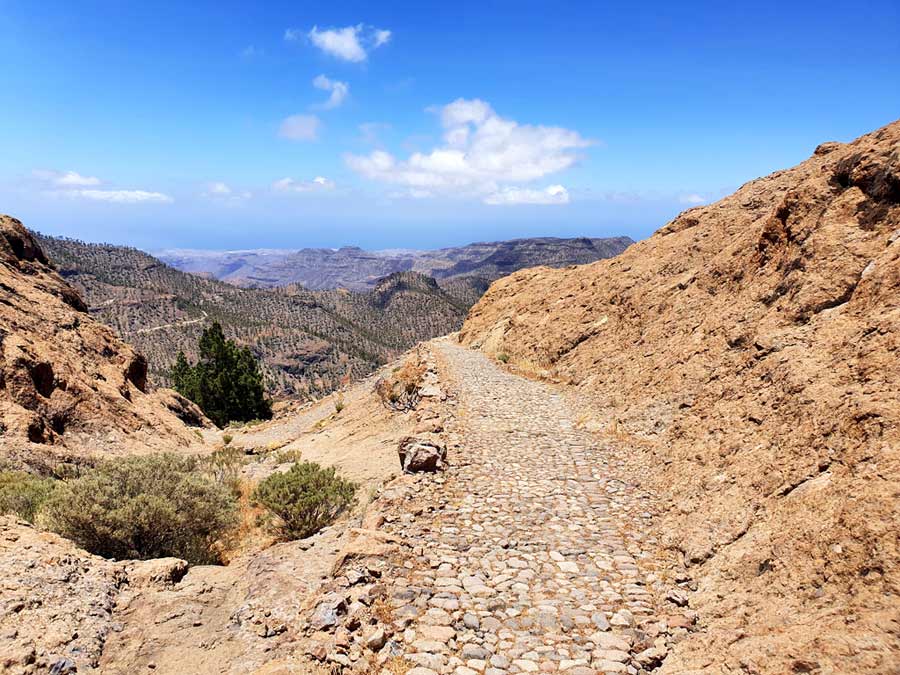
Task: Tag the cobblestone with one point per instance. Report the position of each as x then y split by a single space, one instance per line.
534 557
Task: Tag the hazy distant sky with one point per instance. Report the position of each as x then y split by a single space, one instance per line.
418 124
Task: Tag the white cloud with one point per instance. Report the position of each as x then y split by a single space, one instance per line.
65 179
339 92
693 199
317 184
223 193
300 128
380 37
74 185
348 44
250 52
511 196
481 152
121 196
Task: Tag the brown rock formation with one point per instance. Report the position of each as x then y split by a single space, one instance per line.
68 385
750 349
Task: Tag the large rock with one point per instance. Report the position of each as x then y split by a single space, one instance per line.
418 454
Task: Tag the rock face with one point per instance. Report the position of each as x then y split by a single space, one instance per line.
58 601
747 354
66 382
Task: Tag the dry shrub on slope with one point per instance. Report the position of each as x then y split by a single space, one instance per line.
752 346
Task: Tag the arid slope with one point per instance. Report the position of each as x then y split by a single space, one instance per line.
68 385
748 354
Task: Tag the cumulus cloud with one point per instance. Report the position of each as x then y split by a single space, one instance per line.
351 43
300 128
317 184
481 153
511 196
339 92
75 185
692 199
122 196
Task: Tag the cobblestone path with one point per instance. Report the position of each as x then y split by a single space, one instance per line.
530 557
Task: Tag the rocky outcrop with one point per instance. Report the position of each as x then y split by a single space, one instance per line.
746 358
68 384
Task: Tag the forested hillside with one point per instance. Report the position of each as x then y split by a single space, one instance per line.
308 341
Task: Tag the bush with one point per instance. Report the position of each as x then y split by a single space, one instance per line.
224 467
305 499
226 382
400 391
22 494
144 507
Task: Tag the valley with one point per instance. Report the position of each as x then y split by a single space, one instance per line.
309 341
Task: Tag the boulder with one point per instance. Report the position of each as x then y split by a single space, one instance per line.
418 454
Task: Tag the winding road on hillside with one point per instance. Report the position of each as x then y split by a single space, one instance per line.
533 540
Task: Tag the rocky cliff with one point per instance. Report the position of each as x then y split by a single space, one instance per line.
746 355
67 383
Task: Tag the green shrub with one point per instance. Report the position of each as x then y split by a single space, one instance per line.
503 358
227 438
22 494
305 499
144 507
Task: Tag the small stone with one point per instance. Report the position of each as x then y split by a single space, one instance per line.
600 621
375 640
471 651
470 621
622 618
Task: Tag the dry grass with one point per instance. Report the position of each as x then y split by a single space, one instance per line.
397 665
382 611
249 534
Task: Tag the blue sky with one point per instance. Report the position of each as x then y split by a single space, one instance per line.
230 124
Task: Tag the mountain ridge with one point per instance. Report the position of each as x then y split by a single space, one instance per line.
357 269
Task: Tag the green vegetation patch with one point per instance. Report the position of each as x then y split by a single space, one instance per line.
22 494
144 507
305 498
226 382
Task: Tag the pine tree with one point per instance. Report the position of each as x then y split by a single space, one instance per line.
226 383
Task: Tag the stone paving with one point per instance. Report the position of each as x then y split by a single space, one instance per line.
532 556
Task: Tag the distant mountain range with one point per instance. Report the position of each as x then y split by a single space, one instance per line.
338 323
356 269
